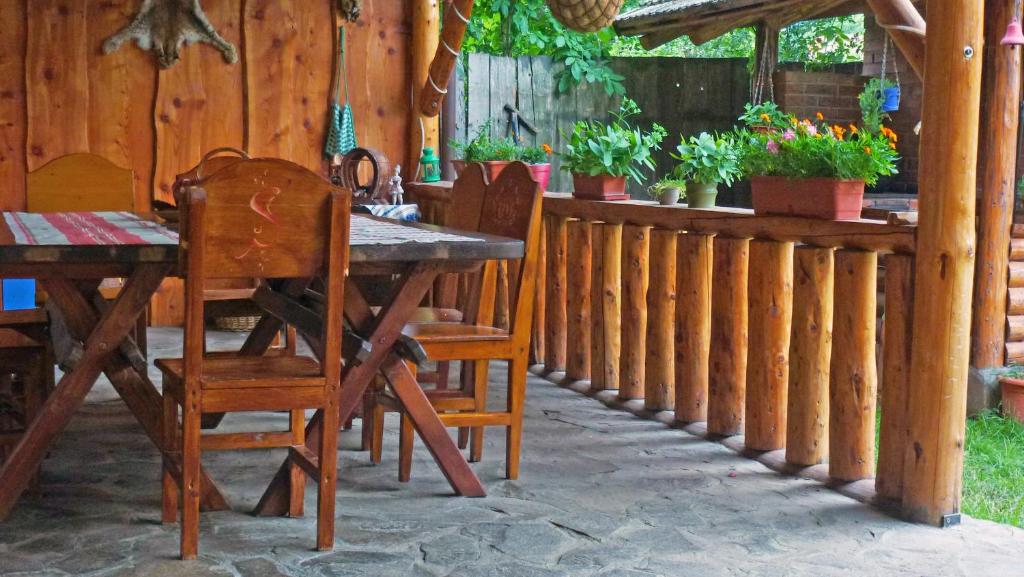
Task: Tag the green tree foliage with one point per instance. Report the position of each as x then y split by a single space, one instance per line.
527 28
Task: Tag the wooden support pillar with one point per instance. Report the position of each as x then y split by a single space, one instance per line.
907 27
944 276
659 388
636 241
1002 84
606 307
728 359
810 355
896 359
853 375
693 325
540 305
555 316
578 303
770 306
426 34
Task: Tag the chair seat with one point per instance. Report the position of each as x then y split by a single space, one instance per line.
440 333
249 372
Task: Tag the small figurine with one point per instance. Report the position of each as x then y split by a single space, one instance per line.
395 186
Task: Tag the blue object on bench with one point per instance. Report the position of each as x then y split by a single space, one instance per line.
19 294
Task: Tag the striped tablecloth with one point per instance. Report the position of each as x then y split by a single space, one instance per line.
406 212
86 229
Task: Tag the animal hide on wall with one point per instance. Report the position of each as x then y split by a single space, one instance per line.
164 26
349 9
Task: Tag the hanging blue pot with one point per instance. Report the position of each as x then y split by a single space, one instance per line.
892 99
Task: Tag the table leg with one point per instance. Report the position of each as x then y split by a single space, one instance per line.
383 331
102 342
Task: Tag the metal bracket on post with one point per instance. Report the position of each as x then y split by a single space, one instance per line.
951 520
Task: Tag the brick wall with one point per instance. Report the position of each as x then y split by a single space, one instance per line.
832 93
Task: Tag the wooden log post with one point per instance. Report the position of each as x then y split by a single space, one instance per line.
694 267
659 388
426 33
896 359
540 304
945 263
810 355
578 304
728 358
555 315
636 242
606 307
770 306
1002 85
853 375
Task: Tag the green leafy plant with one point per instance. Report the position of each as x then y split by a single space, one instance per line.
871 100
708 159
819 150
484 148
665 184
616 148
535 154
766 115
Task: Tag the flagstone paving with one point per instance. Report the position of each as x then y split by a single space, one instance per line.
602 493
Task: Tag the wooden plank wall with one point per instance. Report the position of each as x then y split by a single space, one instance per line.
686 96
60 94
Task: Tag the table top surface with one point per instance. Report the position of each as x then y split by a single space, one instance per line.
124 238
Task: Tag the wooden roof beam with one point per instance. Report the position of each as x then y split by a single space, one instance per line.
907 28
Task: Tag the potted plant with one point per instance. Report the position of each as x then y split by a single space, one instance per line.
765 117
494 153
668 190
706 161
538 158
814 169
1012 387
876 101
601 156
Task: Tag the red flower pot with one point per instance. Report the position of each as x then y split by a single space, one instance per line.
600 187
1013 397
542 174
825 198
492 168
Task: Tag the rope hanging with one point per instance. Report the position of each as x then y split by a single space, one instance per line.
585 15
765 75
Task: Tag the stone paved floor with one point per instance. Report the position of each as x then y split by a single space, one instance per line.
602 493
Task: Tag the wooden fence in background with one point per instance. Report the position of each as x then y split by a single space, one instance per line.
686 96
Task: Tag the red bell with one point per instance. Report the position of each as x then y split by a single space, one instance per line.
1014 34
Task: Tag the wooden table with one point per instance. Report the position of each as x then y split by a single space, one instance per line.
71 253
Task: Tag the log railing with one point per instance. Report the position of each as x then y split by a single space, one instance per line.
764 327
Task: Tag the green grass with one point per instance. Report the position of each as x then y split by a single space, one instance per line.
994 469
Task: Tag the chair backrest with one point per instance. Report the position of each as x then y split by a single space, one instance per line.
467 203
512 209
79 183
265 219
211 162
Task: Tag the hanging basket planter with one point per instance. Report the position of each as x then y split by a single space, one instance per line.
891 99
585 15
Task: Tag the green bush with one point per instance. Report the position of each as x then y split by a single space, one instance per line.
615 148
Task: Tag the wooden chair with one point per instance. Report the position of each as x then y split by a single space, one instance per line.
26 372
267 219
85 182
511 207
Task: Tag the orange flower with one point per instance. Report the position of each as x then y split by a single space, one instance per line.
547 149
853 129
867 150
819 115
892 145
766 118
793 120
839 131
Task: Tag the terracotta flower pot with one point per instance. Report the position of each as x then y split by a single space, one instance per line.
825 198
600 187
492 168
542 174
1013 397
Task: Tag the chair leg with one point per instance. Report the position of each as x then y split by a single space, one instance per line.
376 432
327 482
516 396
480 381
141 334
169 440
463 438
190 481
296 476
367 416
406 437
